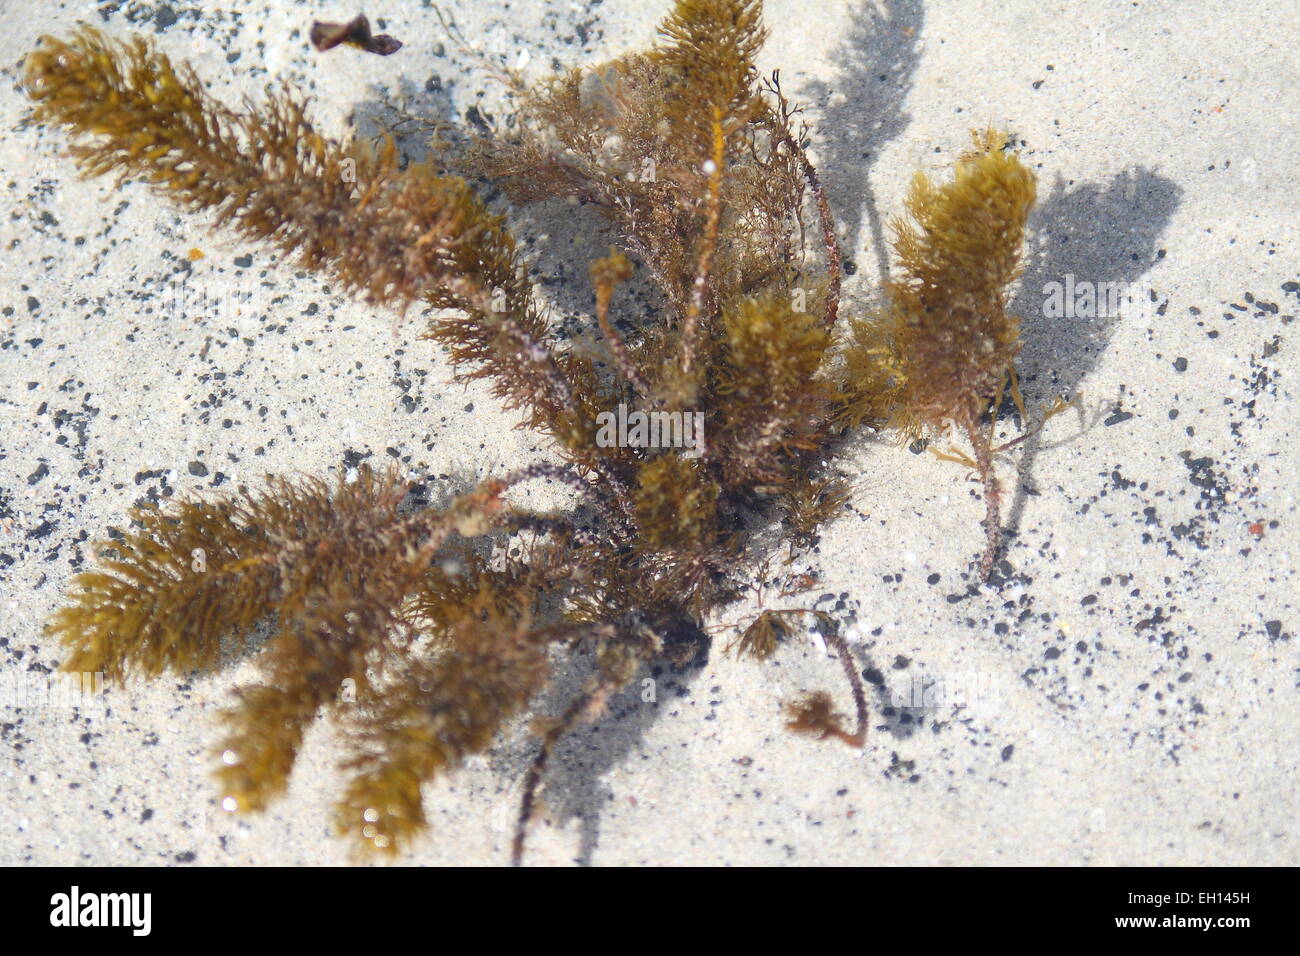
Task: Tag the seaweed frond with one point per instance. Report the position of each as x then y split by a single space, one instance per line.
442 711
765 633
270 175
163 597
676 505
772 400
946 347
711 48
331 565
814 714
394 235
959 251
809 504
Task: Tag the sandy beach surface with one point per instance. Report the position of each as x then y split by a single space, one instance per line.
1129 694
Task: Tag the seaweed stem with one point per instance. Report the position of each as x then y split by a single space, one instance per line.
837 641
981 445
699 285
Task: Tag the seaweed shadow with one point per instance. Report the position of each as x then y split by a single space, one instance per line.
574 788
409 116
1092 233
879 59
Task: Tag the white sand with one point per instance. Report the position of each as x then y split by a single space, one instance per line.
1131 698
